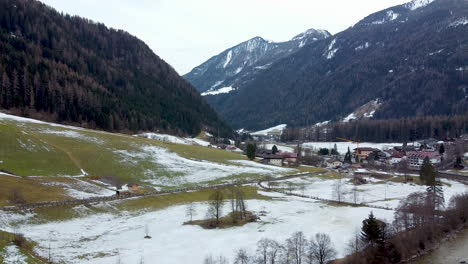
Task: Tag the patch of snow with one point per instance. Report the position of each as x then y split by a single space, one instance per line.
350 117
218 83
322 123
330 53
459 22
228 59
200 142
73 134
176 140
390 17
415 4
435 52
164 138
223 90
278 128
370 114
238 70
390 71
241 131
361 47
12 255
263 67
80 189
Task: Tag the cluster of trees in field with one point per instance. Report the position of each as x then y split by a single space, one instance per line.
216 204
69 69
295 250
389 130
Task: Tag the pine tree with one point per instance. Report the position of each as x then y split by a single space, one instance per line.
251 149
16 93
347 158
274 149
427 173
371 230
441 149
436 195
6 87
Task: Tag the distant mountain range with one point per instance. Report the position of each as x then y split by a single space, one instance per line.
238 65
404 61
72 70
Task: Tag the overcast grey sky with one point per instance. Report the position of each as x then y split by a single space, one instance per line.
185 33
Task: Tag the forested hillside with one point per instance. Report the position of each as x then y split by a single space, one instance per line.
384 130
412 58
72 70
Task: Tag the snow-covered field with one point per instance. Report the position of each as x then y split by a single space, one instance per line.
343 146
174 139
265 132
185 170
105 238
387 194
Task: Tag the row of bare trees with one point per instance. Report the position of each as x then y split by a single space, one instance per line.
297 249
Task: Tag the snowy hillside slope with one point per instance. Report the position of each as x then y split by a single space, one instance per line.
36 148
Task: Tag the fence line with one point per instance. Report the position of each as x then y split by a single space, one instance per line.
323 199
135 195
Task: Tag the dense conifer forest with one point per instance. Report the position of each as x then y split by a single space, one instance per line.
72 70
387 130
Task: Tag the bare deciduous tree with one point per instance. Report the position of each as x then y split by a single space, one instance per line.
322 248
216 204
403 167
190 211
297 245
355 194
355 244
242 257
338 190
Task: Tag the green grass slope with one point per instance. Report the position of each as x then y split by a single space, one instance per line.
31 148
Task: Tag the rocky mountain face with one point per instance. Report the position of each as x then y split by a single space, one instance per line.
238 65
412 58
72 70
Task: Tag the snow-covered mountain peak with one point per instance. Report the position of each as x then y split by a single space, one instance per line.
234 66
307 33
415 4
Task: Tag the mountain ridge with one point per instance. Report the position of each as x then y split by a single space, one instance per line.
411 57
235 65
